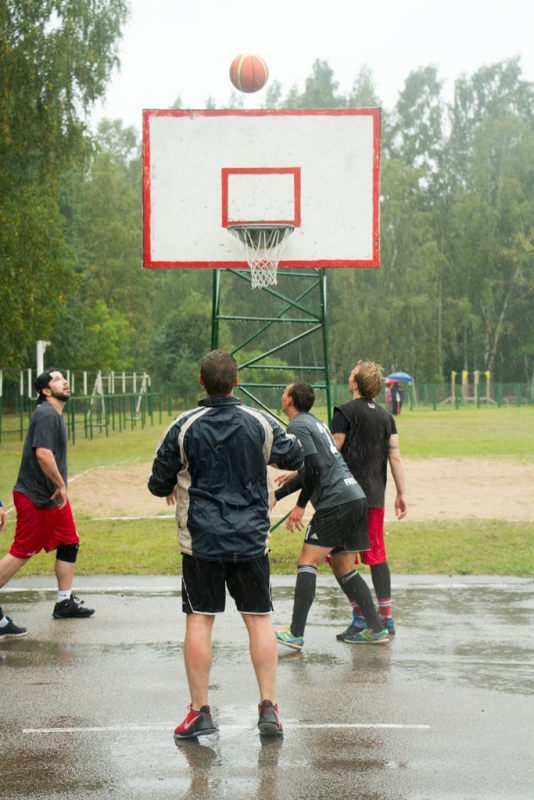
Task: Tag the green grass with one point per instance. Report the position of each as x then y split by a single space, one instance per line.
438 547
467 433
128 447
149 547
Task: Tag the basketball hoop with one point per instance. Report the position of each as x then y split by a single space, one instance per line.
262 246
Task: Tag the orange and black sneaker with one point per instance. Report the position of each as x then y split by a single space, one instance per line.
197 723
268 723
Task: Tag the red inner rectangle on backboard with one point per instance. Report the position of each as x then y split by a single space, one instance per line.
291 219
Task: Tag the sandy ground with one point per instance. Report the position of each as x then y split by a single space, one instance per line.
438 488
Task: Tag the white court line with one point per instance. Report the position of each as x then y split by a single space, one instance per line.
154 516
127 519
81 474
100 589
134 728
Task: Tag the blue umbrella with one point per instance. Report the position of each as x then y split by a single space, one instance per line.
403 377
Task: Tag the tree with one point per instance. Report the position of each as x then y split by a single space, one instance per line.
56 57
102 208
35 271
416 134
492 234
388 314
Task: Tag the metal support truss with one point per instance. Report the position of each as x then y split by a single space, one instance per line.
292 311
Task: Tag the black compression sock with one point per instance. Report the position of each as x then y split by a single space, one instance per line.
356 588
304 595
381 578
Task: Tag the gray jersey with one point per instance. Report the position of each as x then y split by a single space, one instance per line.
47 430
336 485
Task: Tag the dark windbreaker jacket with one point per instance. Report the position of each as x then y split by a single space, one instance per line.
216 456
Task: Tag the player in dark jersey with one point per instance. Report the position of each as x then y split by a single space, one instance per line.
366 435
44 515
338 527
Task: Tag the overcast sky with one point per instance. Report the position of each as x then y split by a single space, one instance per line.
185 47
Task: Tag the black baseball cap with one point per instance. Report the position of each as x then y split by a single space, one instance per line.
41 382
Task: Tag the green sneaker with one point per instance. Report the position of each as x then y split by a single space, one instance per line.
367 636
286 637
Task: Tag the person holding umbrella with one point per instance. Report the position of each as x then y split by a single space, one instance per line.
394 393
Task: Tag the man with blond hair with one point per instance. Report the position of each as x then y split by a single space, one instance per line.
366 435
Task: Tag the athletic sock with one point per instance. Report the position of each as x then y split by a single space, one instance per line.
381 577
64 595
304 596
384 607
354 586
3 621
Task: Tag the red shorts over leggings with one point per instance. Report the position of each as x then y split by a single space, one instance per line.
377 552
41 528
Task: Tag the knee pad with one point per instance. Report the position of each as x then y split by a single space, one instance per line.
67 552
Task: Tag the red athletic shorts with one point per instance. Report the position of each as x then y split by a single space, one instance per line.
41 528
377 553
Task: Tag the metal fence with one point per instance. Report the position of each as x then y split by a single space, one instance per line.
86 415
479 395
98 414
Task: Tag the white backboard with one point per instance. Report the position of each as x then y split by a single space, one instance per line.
315 169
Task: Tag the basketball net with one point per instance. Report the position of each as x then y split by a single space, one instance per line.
262 246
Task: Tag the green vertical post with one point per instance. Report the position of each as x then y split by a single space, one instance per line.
518 394
216 300
150 405
324 322
434 396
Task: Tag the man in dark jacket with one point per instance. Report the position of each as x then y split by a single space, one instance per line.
212 461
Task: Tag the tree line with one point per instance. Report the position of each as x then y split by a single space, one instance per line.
455 288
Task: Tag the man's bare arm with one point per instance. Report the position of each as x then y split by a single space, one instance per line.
339 439
397 471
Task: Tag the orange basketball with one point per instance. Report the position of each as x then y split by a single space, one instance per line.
249 73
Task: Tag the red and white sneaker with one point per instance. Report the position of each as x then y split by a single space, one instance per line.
268 723
197 723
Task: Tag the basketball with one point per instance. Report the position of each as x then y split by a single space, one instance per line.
249 73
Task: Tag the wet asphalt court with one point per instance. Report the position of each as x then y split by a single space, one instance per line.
88 707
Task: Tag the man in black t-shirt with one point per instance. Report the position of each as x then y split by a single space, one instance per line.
44 515
366 435
338 527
